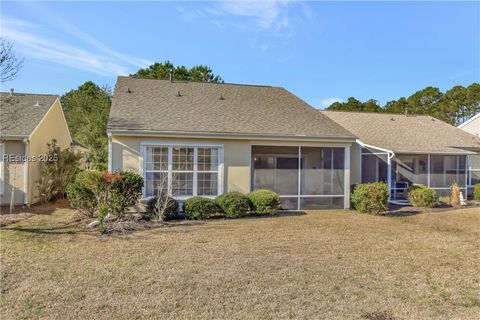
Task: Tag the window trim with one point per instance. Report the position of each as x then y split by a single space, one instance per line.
182 144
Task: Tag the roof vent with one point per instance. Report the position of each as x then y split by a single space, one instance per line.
11 92
129 91
179 94
221 97
37 104
392 119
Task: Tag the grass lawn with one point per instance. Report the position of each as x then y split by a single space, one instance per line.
318 265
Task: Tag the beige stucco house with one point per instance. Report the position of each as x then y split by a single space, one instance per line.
404 150
28 123
205 139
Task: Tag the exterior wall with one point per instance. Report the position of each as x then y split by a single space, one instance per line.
53 126
355 164
125 155
13 172
472 127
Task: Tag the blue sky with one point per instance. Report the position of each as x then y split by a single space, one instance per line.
321 51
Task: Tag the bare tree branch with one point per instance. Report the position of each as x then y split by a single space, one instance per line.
10 65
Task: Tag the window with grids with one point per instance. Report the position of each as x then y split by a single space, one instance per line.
182 171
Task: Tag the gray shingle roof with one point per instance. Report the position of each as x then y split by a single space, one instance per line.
406 134
20 114
154 105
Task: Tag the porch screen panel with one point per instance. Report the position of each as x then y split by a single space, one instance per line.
447 169
374 166
474 171
322 171
276 169
412 169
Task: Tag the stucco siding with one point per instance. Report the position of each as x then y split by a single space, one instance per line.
53 126
472 127
13 172
126 154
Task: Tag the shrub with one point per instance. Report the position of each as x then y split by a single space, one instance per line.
83 192
125 192
58 169
199 207
476 192
233 204
163 207
370 197
455 194
264 202
421 196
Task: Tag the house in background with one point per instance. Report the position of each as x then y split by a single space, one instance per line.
27 123
403 150
206 138
472 125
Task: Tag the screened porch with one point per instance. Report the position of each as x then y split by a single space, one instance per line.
400 171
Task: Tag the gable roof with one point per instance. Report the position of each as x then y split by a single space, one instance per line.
475 117
406 133
20 113
146 105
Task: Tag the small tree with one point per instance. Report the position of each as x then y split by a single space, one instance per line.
57 170
163 205
455 194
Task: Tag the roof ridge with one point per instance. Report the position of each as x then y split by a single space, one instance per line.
204 82
379 113
30 94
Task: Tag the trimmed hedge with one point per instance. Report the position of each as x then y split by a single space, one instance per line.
199 208
370 198
81 192
233 204
264 202
476 192
421 196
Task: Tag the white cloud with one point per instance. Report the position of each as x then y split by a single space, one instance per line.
325 103
32 41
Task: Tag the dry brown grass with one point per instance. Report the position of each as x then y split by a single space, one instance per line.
321 265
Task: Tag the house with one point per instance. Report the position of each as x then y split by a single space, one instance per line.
472 125
403 150
205 139
28 123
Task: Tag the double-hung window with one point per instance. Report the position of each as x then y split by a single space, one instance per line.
182 171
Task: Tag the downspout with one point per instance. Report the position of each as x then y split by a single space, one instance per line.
25 173
110 155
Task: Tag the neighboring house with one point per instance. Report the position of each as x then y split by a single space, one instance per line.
27 123
472 125
205 139
403 150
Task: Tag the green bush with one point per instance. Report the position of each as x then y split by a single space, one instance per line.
421 196
264 202
81 192
370 198
199 208
161 208
233 204
125 192
476 192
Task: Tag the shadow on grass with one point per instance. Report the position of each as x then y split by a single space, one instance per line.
72 228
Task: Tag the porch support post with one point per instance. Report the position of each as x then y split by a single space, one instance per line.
428 170
389 175
346 203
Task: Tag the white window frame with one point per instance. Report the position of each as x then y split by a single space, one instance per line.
195 145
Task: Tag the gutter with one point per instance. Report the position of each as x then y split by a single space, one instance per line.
210 135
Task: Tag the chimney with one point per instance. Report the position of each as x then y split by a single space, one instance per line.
11 92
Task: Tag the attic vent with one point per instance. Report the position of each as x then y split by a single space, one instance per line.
221 97
179 94
37 104
129 91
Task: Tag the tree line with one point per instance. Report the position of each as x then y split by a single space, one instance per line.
87 107
453 106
